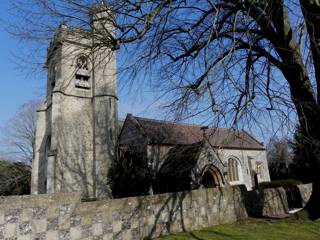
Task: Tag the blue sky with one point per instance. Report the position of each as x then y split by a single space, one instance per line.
18 85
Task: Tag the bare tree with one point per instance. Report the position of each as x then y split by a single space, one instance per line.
19 134
235 62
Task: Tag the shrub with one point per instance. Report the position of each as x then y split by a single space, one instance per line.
129 176
15 178
280 183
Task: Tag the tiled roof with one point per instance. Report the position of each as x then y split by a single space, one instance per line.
181 159
163 132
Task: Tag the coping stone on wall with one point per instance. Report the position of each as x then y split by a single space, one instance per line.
64 216
270 202
305 192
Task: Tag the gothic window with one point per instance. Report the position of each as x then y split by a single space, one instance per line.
82 63
259 168
233 170
82 75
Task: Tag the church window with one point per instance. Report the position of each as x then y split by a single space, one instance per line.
52 77
82 75
259 168
82 63
233 170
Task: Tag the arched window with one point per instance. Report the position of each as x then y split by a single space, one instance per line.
82 63
233 170
259 169
82 75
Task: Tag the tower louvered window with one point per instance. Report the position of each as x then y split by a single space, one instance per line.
82 75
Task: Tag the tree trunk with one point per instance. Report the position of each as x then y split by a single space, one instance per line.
313 206
308 111
309 123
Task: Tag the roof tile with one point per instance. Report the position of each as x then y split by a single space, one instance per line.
163 132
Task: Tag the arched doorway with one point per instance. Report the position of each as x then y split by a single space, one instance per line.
211 177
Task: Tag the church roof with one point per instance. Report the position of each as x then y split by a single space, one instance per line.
171 133
181 159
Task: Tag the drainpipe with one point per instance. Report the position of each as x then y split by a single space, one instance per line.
94 122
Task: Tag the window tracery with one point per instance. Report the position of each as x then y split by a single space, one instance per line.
82 75
233 170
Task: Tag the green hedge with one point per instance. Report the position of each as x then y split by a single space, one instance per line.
280 183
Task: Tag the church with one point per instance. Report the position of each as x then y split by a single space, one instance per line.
79 136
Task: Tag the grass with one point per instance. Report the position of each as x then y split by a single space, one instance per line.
254 229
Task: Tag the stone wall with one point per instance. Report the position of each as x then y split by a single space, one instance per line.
64 216
267 203
305 193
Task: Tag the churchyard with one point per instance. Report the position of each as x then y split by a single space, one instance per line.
294 228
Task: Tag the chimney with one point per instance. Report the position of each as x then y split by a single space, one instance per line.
204 128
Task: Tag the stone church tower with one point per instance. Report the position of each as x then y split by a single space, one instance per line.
77 124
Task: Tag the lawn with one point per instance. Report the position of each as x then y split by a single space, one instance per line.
254 229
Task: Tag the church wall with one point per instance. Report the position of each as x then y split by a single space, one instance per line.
38 176
105 118
158 153
67 68
248 161
208 157
71 123
80 119
261 160
72 141
65 216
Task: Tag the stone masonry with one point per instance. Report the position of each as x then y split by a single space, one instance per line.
77 124
65 216
77 135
